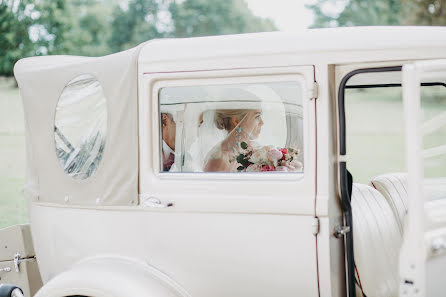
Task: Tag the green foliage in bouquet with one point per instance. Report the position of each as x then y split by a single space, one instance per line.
243 159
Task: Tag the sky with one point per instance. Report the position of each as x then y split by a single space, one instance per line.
288 15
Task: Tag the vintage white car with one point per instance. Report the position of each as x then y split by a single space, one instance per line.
217 166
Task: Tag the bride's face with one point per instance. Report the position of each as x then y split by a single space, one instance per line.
252 123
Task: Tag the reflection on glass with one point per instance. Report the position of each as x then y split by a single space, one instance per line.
80 126
232 128
433 127
375 131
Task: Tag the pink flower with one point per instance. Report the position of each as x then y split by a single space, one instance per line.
284 151
268 168
275 155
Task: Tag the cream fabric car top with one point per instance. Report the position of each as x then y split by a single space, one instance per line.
41 81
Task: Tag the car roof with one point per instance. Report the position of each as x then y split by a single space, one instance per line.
324 41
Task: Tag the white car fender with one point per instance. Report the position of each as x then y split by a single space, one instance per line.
111 276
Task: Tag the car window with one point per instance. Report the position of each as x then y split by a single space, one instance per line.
433 129
80 126
237 128
375 134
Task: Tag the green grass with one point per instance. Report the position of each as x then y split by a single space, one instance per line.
12 156
375 129
13 207
375 133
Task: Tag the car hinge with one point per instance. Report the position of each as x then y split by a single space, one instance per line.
315 92
341 231
315 226
17 261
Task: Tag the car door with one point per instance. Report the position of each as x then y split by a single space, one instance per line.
228 233
423 252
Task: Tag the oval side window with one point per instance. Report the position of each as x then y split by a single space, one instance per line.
80 126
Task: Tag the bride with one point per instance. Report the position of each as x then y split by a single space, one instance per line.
242 125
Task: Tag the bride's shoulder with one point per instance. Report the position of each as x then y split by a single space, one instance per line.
217 160
215 152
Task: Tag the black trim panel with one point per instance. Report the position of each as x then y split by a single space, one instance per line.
341 100
392 85
343 175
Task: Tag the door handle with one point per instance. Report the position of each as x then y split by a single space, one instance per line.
154 202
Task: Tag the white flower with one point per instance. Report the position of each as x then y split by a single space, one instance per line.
282 168
260 156
294 165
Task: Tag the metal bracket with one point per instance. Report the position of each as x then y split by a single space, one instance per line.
315 90
17 261
341 231
342 158
315 226
438 245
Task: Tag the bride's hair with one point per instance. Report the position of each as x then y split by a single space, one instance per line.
223 118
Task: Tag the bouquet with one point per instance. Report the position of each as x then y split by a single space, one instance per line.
268 158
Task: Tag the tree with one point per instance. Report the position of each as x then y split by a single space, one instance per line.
426 12
31 28
215 17
379 12
357 13
14 38
134 24
147 19
76 27
54 26
100 27
41 27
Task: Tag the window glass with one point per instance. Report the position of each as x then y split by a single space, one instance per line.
232 128
80 126
433 129
375 131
